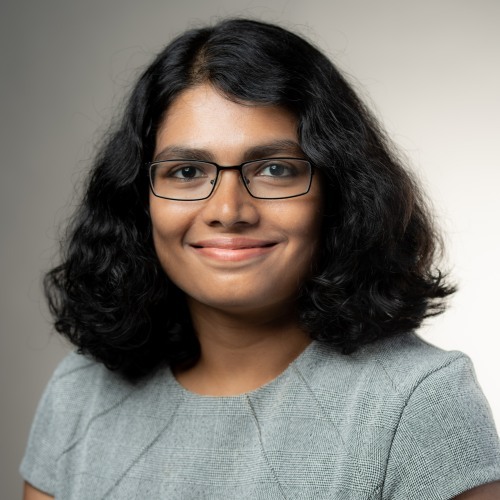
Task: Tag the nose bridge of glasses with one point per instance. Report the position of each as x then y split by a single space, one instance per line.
229 180
224 171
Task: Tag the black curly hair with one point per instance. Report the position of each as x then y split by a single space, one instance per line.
376 272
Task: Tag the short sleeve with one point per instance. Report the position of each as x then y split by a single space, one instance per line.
38 466
56 421
446 442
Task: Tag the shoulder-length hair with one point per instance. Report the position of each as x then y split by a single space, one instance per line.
375 276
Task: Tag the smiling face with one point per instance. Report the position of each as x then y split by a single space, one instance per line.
233 252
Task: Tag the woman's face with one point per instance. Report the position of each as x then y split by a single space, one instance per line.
231 251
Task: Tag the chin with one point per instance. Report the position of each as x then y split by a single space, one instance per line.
232 303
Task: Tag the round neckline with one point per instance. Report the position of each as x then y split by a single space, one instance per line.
188 394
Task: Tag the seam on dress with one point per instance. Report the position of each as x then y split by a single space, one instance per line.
146 448
271 468
375 495
89 423
325 413
420 382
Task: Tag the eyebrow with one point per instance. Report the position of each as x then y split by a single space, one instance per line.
283 147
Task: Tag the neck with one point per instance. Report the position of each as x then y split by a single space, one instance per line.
240 353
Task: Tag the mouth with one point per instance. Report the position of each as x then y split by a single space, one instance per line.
233 249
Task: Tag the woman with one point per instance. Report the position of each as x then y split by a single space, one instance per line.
242 281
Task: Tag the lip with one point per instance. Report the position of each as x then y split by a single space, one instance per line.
233 249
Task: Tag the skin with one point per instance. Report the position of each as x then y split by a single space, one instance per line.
242 300
241 303
31 493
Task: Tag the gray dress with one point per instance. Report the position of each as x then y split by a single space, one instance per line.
399 419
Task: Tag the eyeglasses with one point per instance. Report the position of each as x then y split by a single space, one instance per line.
268 178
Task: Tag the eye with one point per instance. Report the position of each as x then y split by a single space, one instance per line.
276 169
186 172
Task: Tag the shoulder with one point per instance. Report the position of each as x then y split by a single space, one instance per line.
394 366
385 383
86 414
79 378
418 406
79 389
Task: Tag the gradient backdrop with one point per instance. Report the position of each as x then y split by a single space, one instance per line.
430 69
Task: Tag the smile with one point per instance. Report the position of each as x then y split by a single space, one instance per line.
233 249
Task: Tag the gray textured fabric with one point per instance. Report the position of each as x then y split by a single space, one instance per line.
397 420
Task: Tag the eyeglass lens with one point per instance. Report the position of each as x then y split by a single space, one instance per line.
195 180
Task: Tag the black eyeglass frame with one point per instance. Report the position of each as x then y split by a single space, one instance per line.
219 168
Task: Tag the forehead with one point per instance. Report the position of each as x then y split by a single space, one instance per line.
202 118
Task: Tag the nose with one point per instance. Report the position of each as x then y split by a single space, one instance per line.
230 204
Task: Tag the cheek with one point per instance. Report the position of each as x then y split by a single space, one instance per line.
309 231
303 215
310 238
302 223
160 225
169 223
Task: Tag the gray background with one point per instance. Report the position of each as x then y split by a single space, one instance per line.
429 68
